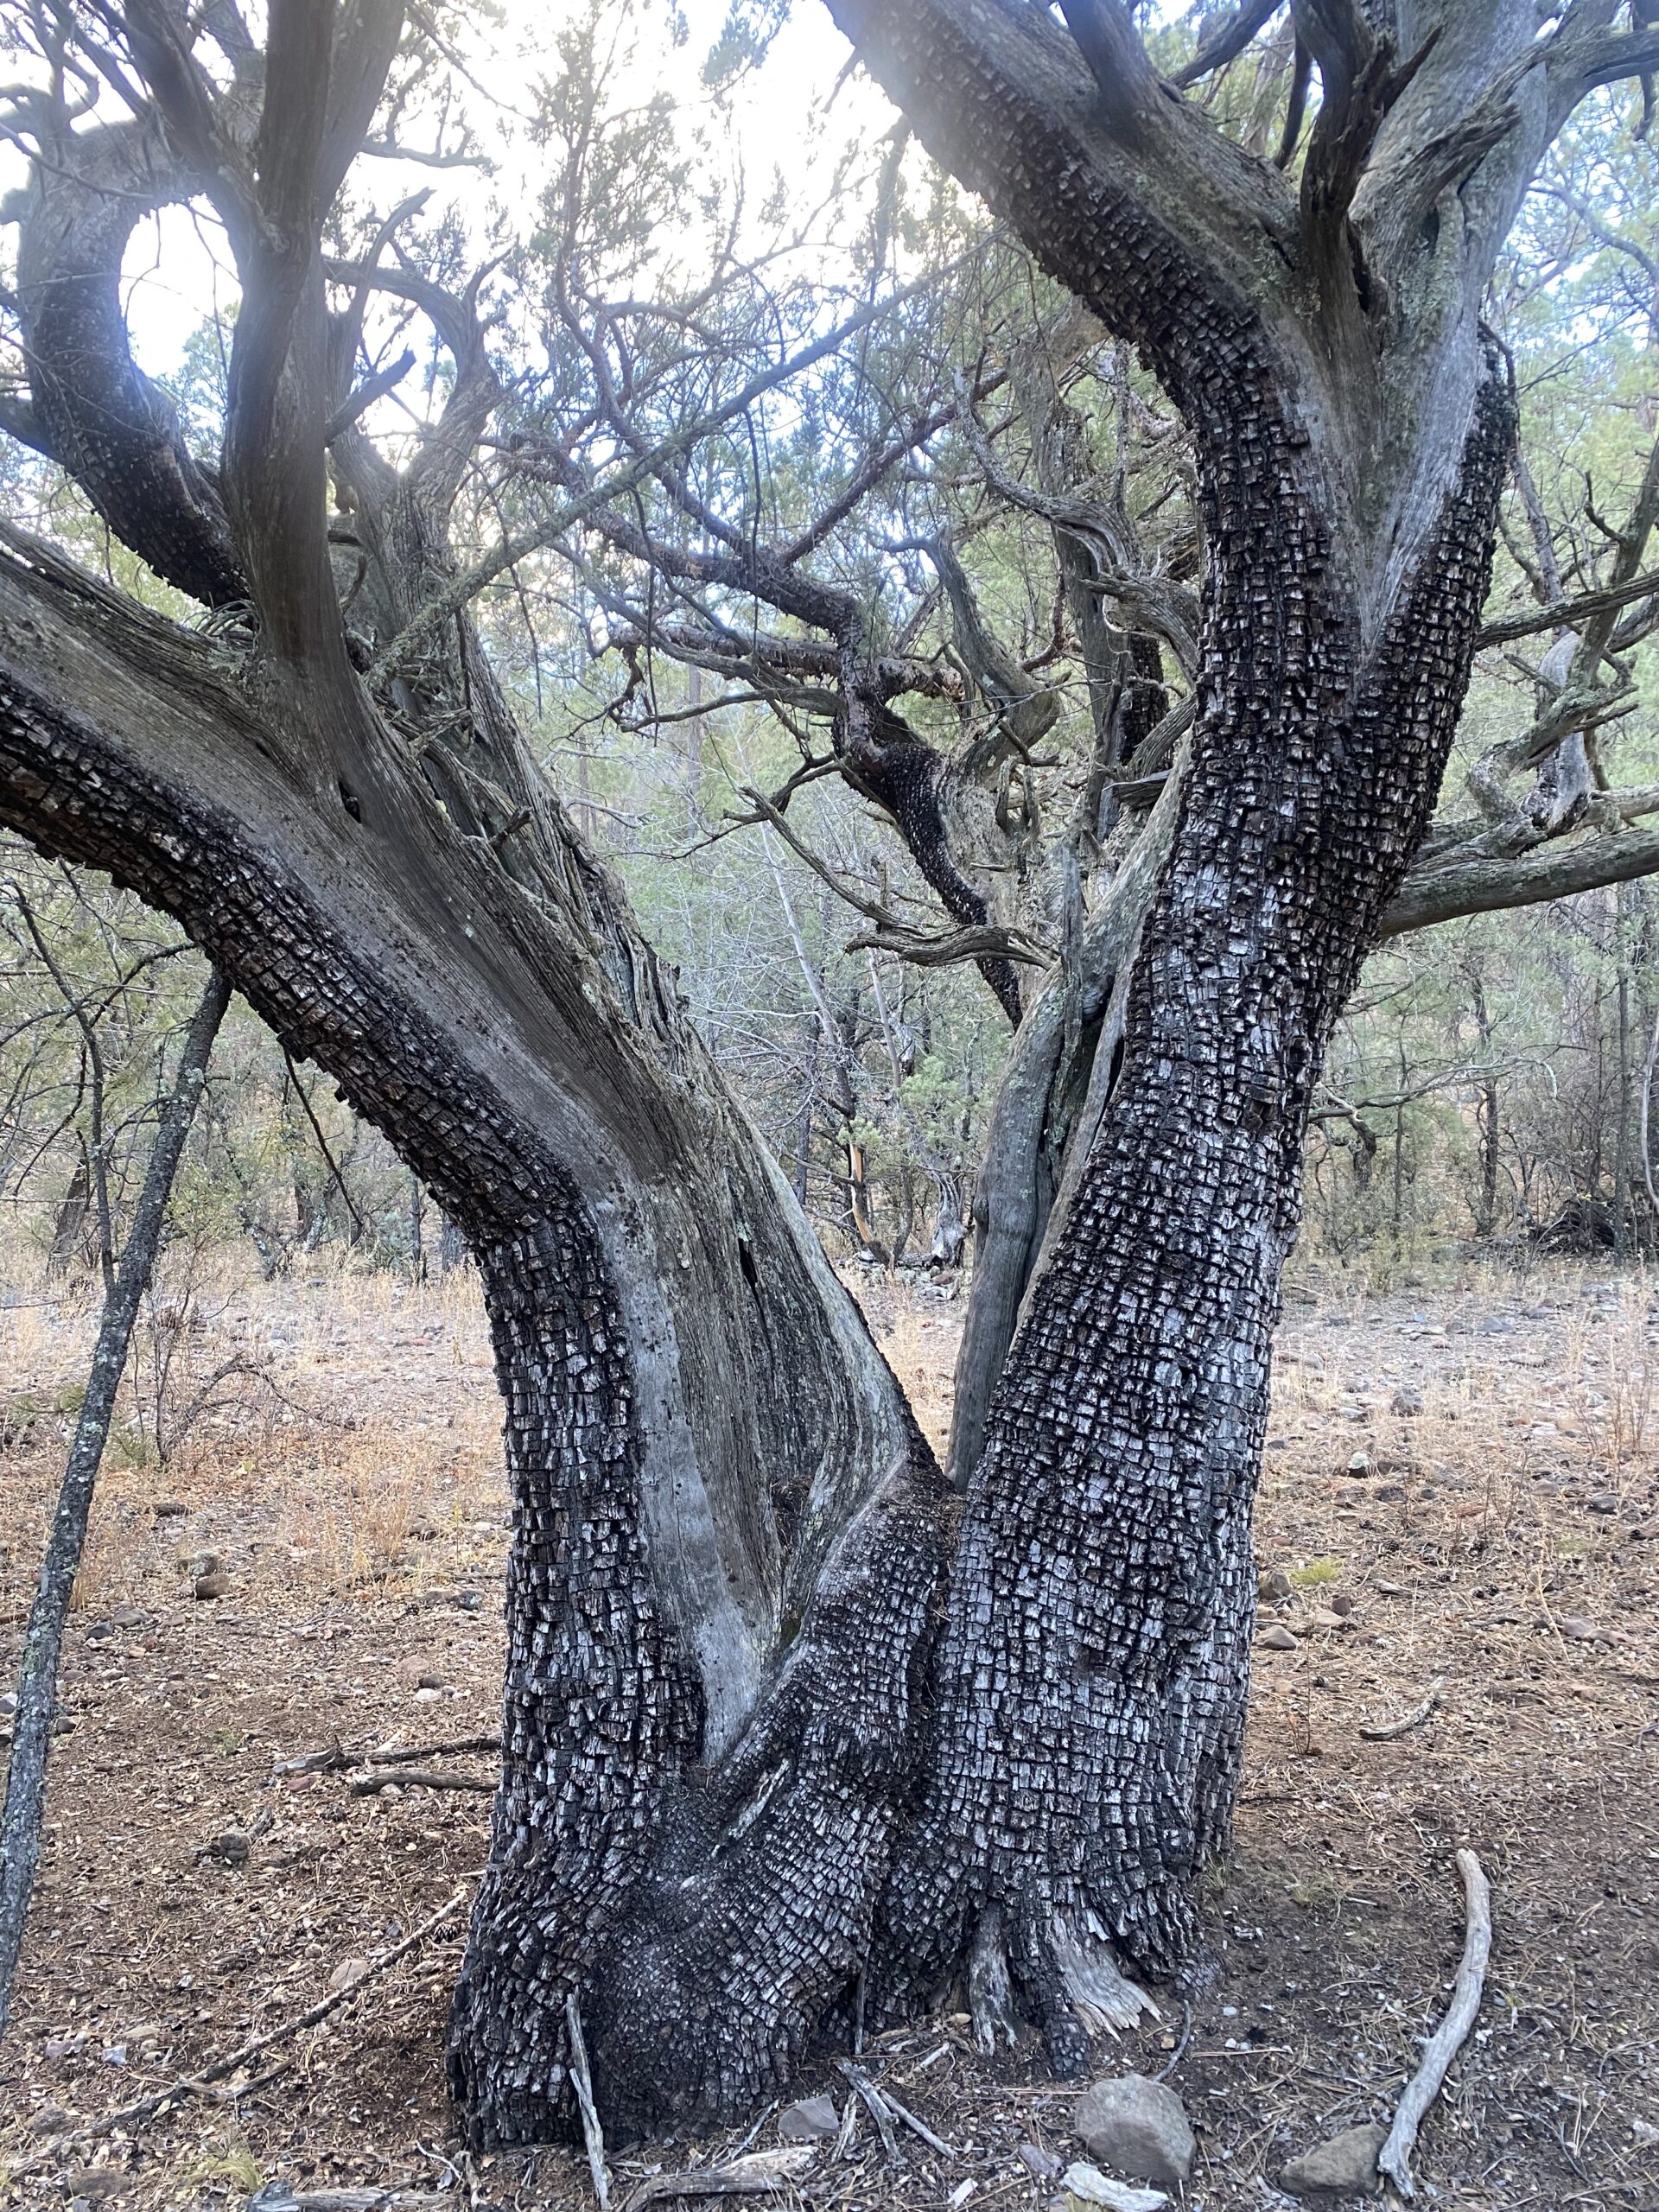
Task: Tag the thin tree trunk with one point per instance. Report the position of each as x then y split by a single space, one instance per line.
37 1684
1622 1209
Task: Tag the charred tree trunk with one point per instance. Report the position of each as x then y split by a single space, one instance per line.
1095 1664
756 1758
728 1543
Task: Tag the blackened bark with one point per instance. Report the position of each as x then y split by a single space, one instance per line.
1093 1672
728 1532
892 765
116 432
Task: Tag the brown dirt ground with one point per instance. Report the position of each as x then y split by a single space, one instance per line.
347 1472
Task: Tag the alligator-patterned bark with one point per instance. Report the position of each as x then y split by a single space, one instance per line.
789 1732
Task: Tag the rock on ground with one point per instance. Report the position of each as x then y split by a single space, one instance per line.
812 2119
1346 2166
1139 2126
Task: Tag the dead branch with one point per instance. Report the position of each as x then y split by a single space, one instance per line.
876 2105
37 1676
1394 2158
1386 1731
336 1760
277 2196
417 1777
756 2174
581 2081
917 2126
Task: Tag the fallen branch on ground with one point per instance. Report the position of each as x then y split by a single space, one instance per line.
876 2105
277 2196
416 1777
917 2126
1386 1731
145 2109
1394 2159
755 2175
336 1760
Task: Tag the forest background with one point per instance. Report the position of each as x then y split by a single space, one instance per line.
1491 1082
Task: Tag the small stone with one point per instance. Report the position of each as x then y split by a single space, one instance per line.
51 2119
428 1695
1086 2186
62 2046
212 1586
101 2181
429 1683
1276 1586
169 1508
1342 1603
1346 2166
1042 2164
200 1562
1316 1618
348 1972
1605 1501
1359 1464
1139 2126
8 1705
127 1616
145 2031
810 2120
231 1847
1276 1638
1406 1403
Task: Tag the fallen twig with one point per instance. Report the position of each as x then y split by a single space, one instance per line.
335 1759
581 2081
145 2109
1394 2158
277 2196
754 2174
917 2126
416 1777
1385 1730
876 2105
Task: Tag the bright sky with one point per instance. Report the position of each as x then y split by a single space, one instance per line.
782 119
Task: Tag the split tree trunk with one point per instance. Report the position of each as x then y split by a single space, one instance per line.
758 1765
728 1536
